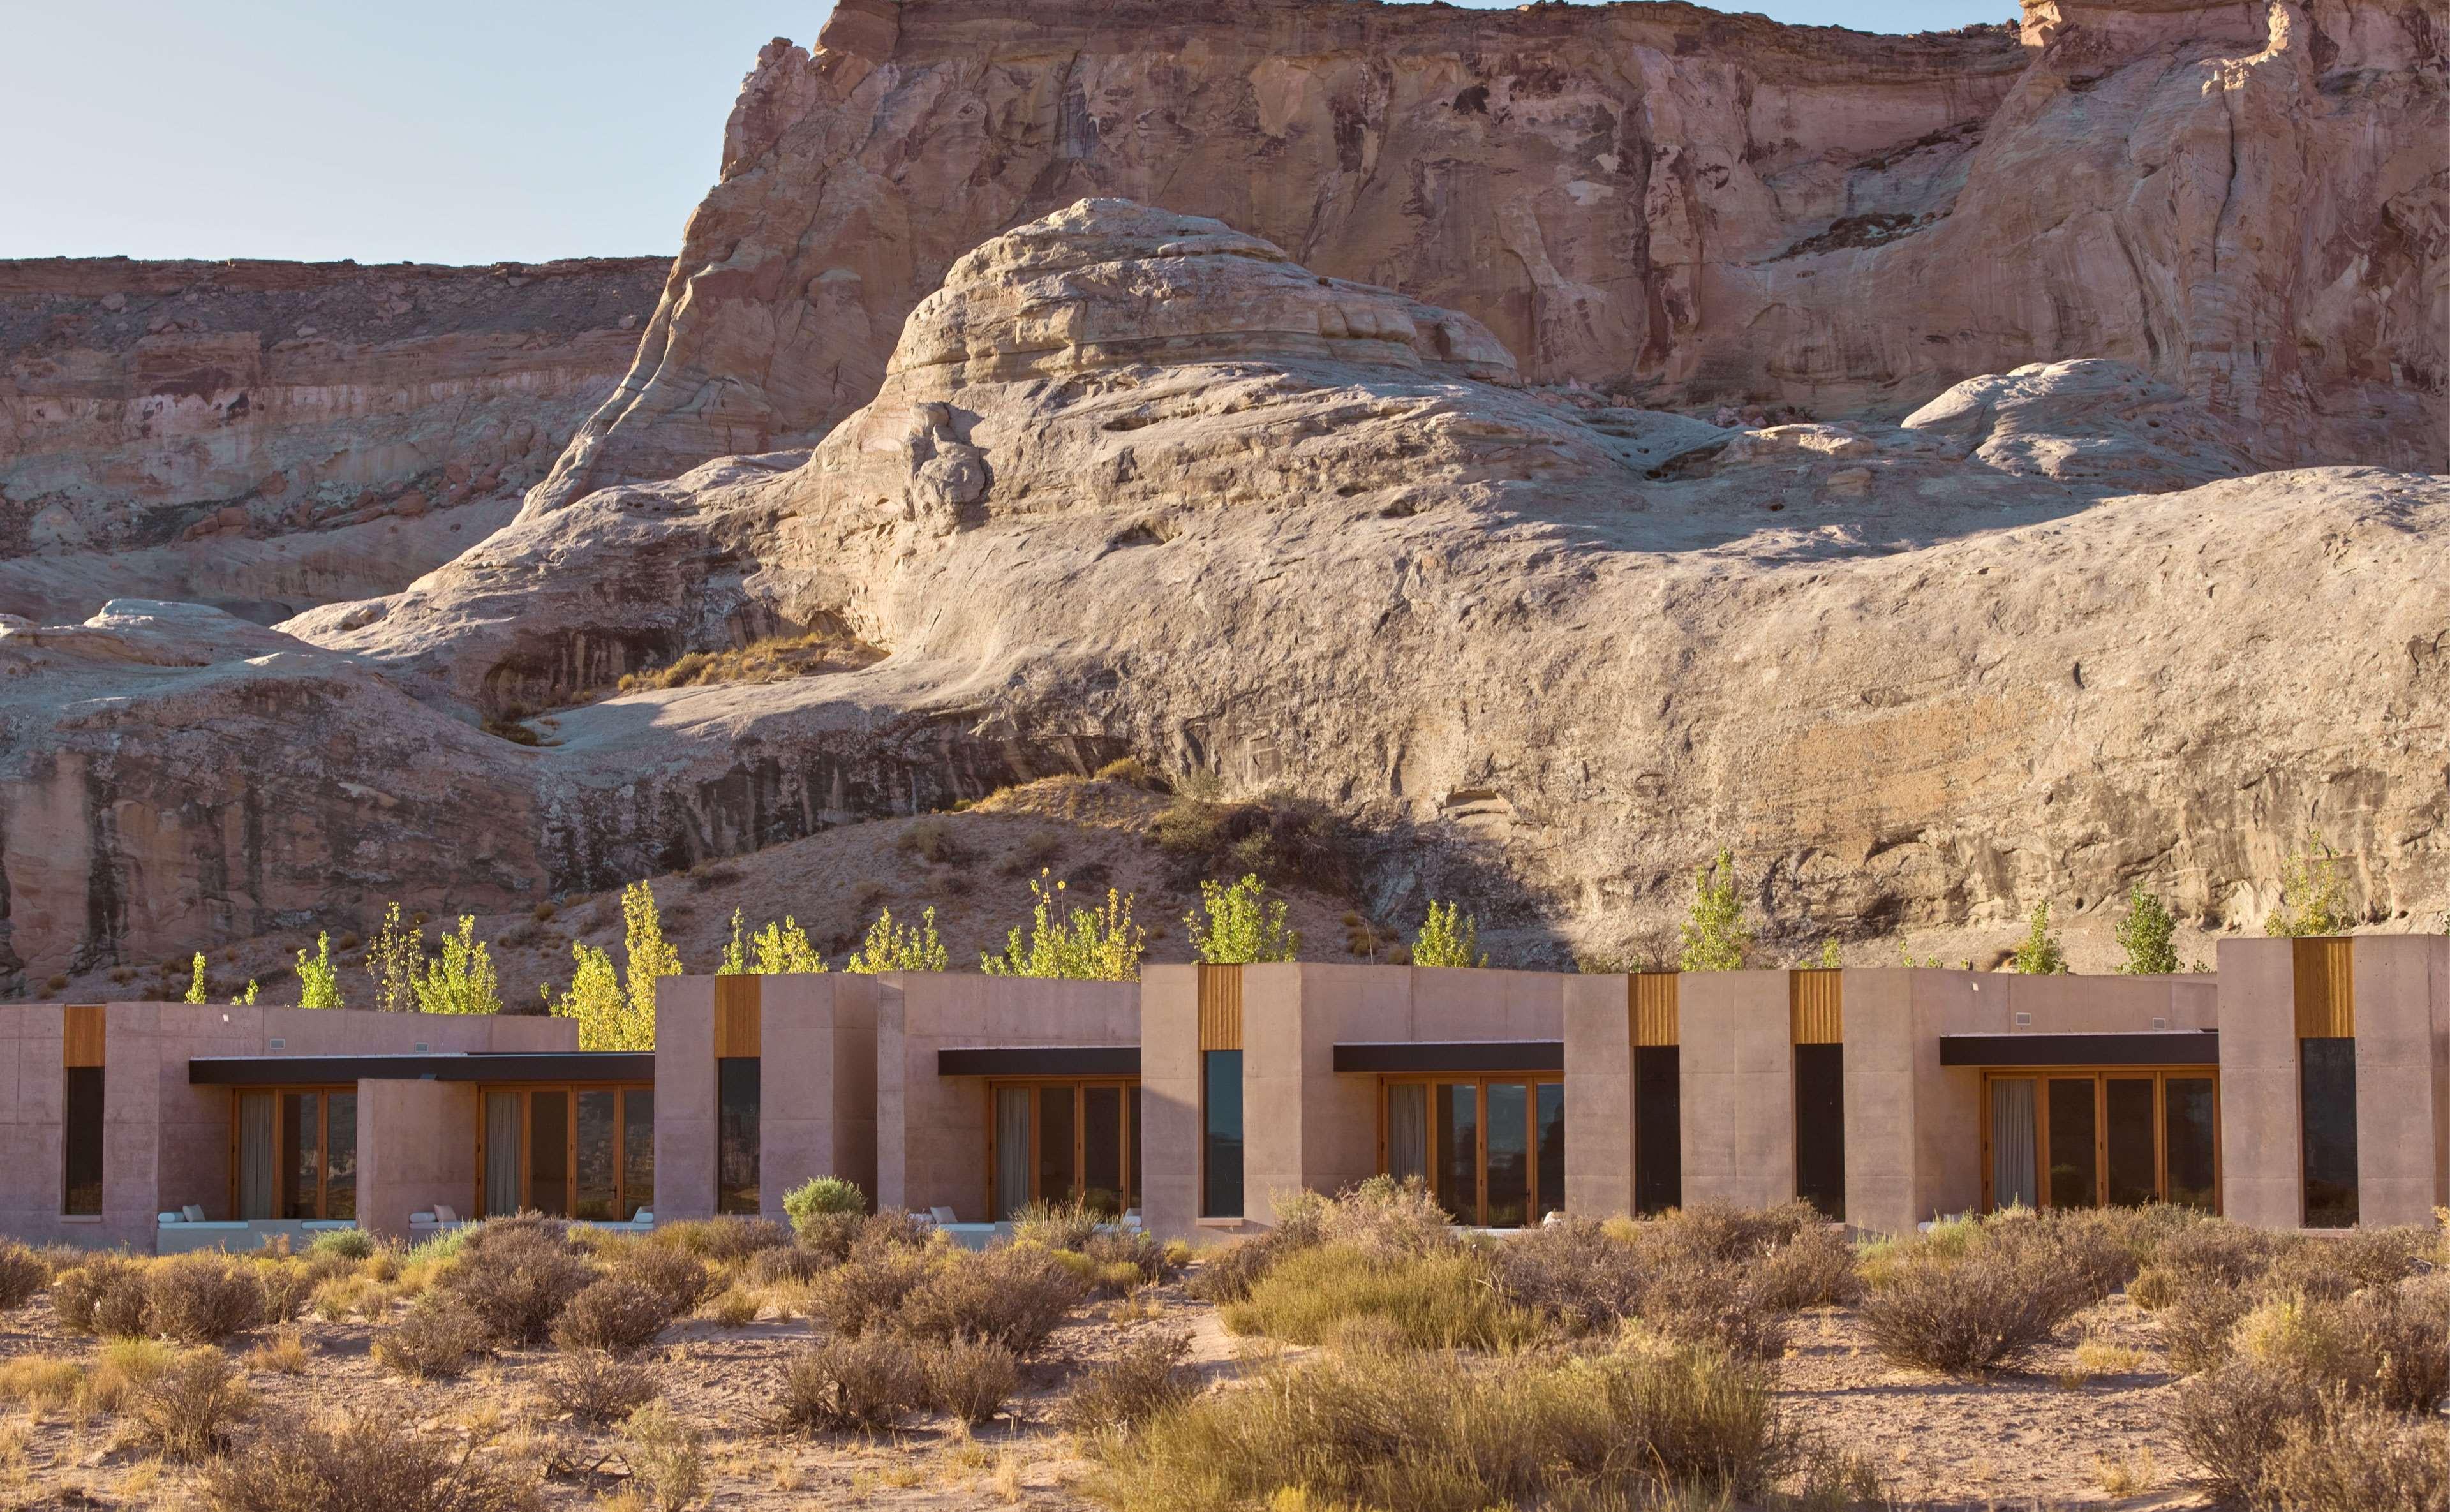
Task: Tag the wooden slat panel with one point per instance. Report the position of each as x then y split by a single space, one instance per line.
1653 998
1220 1007
2326 996
81 1035
1816 1008
737 1020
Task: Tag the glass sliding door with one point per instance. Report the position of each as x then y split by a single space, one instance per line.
1063 1141
585 1153
2084 1139
294 1153
1101 1149
1490 1149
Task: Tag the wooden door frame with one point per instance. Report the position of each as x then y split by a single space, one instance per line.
525 1092
282 1154
1128 1090
2159 1075
1530 1081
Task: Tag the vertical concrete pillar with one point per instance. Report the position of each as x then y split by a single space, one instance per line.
2402 993
816 1083
685 1131
1170 1132
1914 1129
1599 1095
1736 1072
417 1146
1275 1058
2261 1157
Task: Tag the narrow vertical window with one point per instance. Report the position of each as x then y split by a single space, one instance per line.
81 1190
1220 1157
1101 1149
1552 1122
1821 1127
1456 1127
301 1135
637 1152
1408 1131
2327 1104
340 1155
1658 1130
2014 1159
2192 1147
2127 1101
737 1134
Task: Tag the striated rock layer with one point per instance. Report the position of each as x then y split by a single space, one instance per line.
2244 202
266 437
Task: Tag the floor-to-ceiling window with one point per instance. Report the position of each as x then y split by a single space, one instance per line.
2327 1091
294 1153
1064 1140
2088 1138
572 1152
1220 1134
1490 1148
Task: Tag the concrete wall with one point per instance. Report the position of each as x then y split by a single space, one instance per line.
931 1137
2402 1022
1597 1015
417 1146
817 1083
1169 1037
1736 1080
685 1099
165 1142
2262 1156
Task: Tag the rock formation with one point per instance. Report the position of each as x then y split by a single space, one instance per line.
2244 202
266 437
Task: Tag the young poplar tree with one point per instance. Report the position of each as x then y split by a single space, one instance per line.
1714 934
783 949
461 980
319 981
394 960
649 957
2312 899
2038 953
196 982
1244 924
596 1000
2148 935
1444 940
891 947
1099 944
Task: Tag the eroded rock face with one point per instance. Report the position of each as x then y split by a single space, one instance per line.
1918 676
265 436
1658 201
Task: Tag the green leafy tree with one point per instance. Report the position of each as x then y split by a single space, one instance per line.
1906 958
783 949
1714 934
2147 934
2038 953
735 954
1444 940
596 999
394 960
1828 960
196 982
2313 901
649 955
1089 944
891 947
319 981
246 999
462 980
1244 924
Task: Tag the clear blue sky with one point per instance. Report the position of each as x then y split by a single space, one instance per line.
437 131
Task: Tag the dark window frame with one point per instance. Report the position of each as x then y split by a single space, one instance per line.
2333 1142
733 1199
525 1092
2161 1075
1079 1088
1214 1190
1535 1200
1821 1127
84 1134
1657 1129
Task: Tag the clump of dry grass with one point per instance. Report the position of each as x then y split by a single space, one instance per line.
775 659
616 1315
596 1389
438 1339
666 1454
188 1410
1145 1380
866 1384
1434 1301
363 1463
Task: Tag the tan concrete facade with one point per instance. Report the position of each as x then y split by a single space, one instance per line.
932 1129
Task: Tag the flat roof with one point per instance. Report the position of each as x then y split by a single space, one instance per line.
2144 1047
1453 1054
561 1065
1039 1061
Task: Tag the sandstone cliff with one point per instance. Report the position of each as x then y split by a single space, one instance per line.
268 436
2244 201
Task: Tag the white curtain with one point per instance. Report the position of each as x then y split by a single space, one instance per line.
1408 1131
1012 1150
2012 1143
255 1155
501 1153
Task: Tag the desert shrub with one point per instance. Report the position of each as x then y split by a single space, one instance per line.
2198 1320
1280 838
348 1244
1380 1429
594 1388
827 1237
1725 1307
615 1315
2231 1420
2308 1267
1816 1269
792 1265
77 1294
1014 1296
187 1412
2355 1461
900 1229
666 1455
1142 1381
1987 1309
867 1291
121 1369
2389 1345
39 1381
1056 1225
1227 1273
2372 1257
821 1196
437 1340
679 1280
203 1298
1141 1251
1716 1231
2229 1253
2092 1247
1573 1273
1132 771
725 1241
519 1279
1382 1216
2154 1288
1443 1301
21 1274
867 1383
289 1287
364 1462
970 1379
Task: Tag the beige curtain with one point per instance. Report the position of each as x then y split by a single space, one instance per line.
2012 1143
1408 1131
501 1154
256 1154
1012 1150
